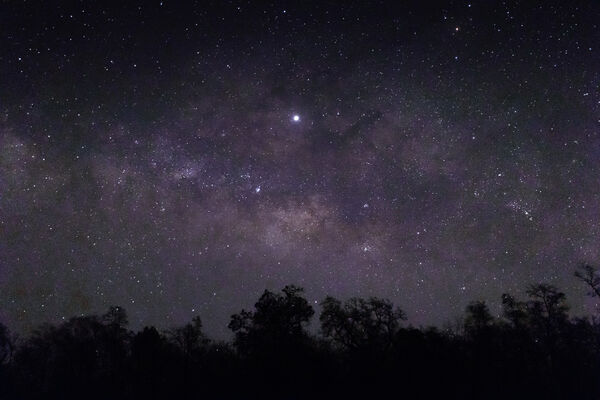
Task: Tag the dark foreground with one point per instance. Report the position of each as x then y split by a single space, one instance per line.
534 351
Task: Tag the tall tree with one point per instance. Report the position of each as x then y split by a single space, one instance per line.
514 311
360 323
189 338
548 303
478 319
279 319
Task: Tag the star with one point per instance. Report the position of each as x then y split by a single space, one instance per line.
380 168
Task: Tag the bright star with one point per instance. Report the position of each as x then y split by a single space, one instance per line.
296 118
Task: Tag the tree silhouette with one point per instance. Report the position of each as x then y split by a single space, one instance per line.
189 338
360 323
113 340
547 305
478 319
591 277
273 342
514 311
149 363
278 320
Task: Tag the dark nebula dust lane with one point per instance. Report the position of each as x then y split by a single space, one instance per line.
177 159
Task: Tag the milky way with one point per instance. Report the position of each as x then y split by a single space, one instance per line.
179 159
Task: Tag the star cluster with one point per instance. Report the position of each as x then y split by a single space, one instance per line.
178 159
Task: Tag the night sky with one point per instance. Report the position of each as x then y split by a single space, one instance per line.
178 158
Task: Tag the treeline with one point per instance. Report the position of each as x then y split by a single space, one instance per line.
364 349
